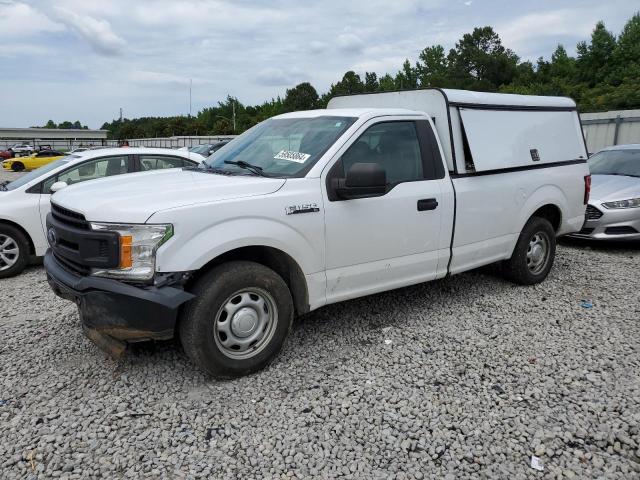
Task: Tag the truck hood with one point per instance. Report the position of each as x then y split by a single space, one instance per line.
133 198
605 188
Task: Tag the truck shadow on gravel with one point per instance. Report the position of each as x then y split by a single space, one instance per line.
358 323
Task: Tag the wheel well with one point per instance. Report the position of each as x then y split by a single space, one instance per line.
550 212
276 260
32 248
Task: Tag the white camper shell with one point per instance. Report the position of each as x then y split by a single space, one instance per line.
489 131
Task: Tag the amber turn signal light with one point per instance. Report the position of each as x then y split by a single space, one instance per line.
126 246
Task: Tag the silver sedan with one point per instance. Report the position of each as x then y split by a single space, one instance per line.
613 212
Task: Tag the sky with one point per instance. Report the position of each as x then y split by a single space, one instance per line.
86 59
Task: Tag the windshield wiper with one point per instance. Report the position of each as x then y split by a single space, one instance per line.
208 169
247 166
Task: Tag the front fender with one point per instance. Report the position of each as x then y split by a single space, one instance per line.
188 251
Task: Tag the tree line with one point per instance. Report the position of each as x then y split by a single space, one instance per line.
66 125
604 75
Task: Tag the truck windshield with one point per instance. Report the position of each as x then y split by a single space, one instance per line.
280 147
616 162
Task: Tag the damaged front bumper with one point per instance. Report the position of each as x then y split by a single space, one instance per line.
112 312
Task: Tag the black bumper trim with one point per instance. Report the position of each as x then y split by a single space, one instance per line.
116 309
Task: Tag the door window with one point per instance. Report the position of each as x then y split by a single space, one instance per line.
159 162
392 145
91 170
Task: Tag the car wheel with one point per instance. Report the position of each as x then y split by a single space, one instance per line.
17 166
534 254
239 320
14 251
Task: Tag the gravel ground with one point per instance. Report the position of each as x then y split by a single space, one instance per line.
465 377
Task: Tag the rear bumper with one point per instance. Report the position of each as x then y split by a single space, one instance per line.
113 311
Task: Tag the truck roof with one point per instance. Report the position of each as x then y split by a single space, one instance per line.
486 98
350 112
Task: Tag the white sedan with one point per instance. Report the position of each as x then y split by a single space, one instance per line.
24 202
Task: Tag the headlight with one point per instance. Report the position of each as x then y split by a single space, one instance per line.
631 203
138 246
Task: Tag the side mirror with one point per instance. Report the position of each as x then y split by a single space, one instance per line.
58 186
363 180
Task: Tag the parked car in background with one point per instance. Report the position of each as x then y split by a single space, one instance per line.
208 148
24 202
6 154
309 208
21 149
33 161
613 212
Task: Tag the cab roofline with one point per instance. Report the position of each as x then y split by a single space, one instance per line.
350 112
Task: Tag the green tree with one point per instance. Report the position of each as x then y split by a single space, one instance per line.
479 60
371 82
594 62
387 83
300 97
431 67
407 78
626 55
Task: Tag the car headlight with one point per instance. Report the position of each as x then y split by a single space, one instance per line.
138 246
631 203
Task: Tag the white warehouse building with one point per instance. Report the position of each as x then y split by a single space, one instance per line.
63 139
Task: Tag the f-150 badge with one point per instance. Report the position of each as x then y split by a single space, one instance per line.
304 208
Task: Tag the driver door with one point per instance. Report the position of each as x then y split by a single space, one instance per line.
90 170
394 239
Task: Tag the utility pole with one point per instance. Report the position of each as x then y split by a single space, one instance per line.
190 85
120 114
233 104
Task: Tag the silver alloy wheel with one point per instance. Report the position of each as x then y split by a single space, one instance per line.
538 252
245 323
9 252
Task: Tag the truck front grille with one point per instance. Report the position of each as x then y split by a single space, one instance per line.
69 217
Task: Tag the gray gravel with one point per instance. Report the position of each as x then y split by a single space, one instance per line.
466 377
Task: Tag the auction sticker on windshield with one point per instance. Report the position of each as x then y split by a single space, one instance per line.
297 157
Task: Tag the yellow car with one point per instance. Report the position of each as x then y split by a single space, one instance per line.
33 161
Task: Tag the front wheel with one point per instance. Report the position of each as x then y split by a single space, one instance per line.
14 251
17 166
239 320
533 256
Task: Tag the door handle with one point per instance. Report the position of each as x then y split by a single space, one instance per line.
427 204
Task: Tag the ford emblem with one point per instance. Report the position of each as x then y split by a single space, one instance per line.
51 236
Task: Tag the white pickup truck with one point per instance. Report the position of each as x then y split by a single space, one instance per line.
310 208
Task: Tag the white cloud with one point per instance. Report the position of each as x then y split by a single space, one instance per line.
521 32
98 33
21 19
316 46
148 77
350 43
279 77
143 52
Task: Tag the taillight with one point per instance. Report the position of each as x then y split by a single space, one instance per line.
587 188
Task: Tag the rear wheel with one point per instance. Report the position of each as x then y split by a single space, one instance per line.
14 251
17 166
533 256
238 321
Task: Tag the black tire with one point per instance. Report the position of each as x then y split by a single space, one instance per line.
525 267
18 238
17 166
203 318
